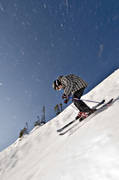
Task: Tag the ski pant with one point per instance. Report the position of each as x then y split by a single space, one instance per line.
79 103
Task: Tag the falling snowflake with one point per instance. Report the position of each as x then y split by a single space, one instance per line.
67 5
44 6
101 48
61 25
1 84
2 8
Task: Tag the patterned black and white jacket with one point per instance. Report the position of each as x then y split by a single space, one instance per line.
71 83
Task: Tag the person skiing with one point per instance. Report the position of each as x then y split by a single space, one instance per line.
73 86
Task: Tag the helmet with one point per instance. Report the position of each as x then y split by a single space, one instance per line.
56 83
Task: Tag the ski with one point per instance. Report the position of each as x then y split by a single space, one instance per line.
74 128
105 106
71 122
100 103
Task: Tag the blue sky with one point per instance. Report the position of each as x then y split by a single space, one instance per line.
40 40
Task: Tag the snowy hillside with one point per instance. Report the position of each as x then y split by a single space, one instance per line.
88 153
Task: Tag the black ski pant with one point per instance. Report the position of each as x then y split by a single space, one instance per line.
79 103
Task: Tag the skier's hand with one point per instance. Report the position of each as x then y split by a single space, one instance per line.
64 96
66 101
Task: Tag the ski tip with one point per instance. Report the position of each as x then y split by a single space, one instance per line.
111 99
61 134
58 130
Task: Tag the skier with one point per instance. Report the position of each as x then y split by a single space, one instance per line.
73 86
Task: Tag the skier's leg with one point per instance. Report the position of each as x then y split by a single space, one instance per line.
81 106
79 103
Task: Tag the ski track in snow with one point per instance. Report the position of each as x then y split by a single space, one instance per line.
90 153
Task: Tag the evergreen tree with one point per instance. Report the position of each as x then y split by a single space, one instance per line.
43 115
38 122
61 108
24 131
57 110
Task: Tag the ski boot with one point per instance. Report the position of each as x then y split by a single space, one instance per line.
82 115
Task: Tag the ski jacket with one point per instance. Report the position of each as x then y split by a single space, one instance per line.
71 83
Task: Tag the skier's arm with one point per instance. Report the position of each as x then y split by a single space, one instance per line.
68 86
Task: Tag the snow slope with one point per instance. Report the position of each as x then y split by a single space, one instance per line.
89 153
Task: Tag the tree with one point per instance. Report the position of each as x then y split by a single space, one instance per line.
41 121
37 123
61 109
24 131
43 115
57 110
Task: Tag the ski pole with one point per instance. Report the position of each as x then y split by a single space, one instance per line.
84 100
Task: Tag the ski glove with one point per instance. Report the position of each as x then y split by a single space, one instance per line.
66 101
64 96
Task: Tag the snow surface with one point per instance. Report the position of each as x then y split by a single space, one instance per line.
89 153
